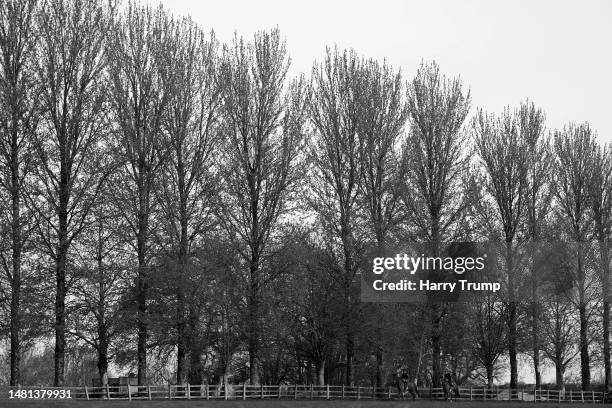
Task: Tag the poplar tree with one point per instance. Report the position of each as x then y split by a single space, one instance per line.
69 145
19 115
504 154
337 176
262 125
575 153
189 175
139 72
435 196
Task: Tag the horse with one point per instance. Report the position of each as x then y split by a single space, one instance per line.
449 387
404 386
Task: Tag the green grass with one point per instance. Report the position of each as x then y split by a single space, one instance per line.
275 404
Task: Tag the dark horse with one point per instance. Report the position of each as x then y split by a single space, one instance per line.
450 388
404 385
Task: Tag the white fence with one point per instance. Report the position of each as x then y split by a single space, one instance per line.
301 392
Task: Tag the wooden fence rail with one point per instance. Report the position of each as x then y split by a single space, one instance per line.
301 392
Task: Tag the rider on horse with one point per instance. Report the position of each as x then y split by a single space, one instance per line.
449 387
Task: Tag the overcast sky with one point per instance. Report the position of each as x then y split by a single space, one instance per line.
557 53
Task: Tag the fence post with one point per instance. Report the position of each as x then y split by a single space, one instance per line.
149 391
327 391
570 395
169 391
224 389
593 396
582 395
484 393
470 392
279 391
107 391
129 391
295 393
311 391
244 391
188 391
342 391
388 392
207 392
358 392
86 393
261 391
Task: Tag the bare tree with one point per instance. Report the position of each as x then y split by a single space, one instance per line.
382 117
435 196
489 333
337 174
18 124
71 166
539 197
504 156
575 150
263 129
189 179
560 337
139 71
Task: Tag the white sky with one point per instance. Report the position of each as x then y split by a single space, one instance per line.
557 53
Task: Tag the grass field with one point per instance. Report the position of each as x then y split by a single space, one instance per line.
275 404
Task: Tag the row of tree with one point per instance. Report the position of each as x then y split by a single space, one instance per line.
180 206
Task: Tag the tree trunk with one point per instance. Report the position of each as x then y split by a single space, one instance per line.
350 352
535 341
512 317
535 326
436 313
103 358
321 373
181 353
253 322
181 371
585 369
141 284
142 327
347 244
436 348
60 276
606 340
490 376
536 365
559 372
15 327
60 318
195 348
379 364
